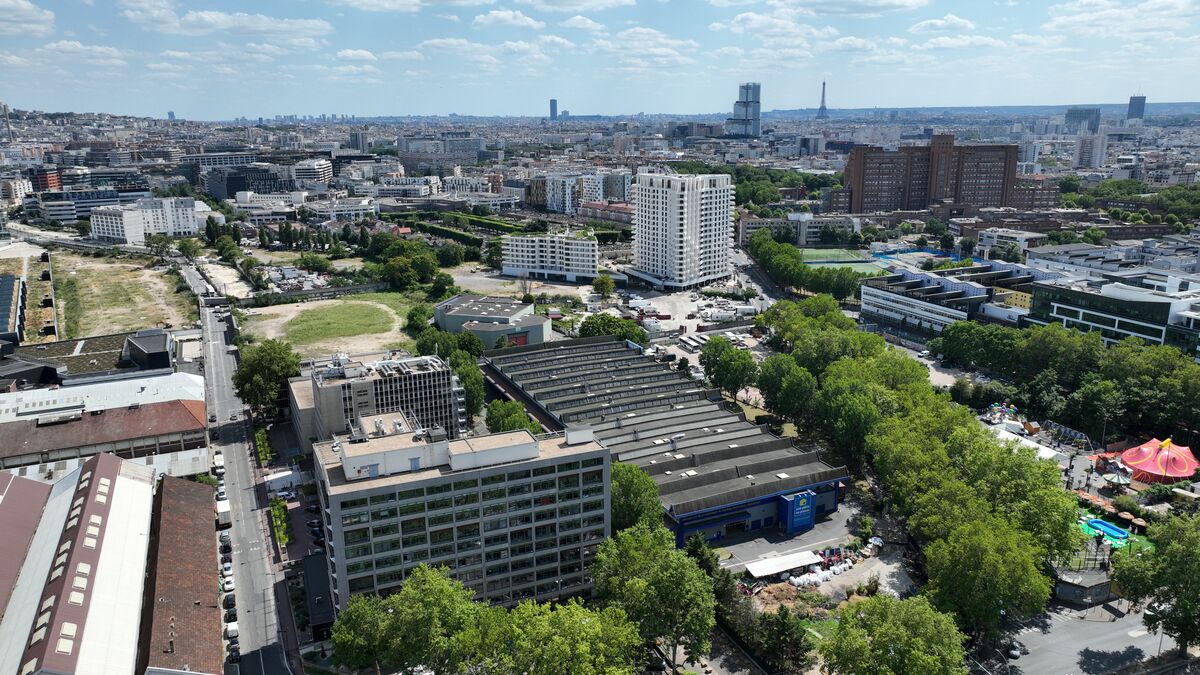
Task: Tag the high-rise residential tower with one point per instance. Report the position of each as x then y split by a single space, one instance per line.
1137 108
747 112
682 229
1083 120
553 109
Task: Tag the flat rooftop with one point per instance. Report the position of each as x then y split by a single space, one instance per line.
482 307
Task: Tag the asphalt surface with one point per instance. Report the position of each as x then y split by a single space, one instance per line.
254 577
1065 641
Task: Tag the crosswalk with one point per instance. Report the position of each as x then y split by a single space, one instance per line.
1058 617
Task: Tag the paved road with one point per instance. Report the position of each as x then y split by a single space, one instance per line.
253 573
1066 641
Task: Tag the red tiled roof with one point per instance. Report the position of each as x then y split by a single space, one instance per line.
21 504
118 424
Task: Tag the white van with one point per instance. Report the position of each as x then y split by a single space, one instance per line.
231 630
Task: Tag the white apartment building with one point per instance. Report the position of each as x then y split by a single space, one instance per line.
210 160
313 170
573 256
1090 151
344 209
428 185
591 188
682 229
466 184
133 223
1002 236
13 190
562 194
513 516
247 198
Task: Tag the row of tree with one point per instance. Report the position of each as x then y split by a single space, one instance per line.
989 516
785 265
1070 377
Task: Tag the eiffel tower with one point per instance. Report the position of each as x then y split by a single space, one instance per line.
822 112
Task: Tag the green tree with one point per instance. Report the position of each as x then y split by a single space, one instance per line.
425 265
604 286
471 378
1094 405
785 641
427 614
361 634
159 245
509 416
189 248
493 254
569 638
451 254
262 372
399 273
710 357
634 497
417 319
314 262
736 370
470 343
946 242
432 341
441 283
885 636
607 324
985 569
967 246
660 588
1167 578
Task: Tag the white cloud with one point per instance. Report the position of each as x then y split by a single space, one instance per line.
95 55
266 49
164 67
779 29
10 59
507 17
856 7
949 22
1026 40
960 41
582 23
576 5
555 41
161 16
850 43
640 49
728 52
380 5
355 55
409 55
22 17
1112 19
449 17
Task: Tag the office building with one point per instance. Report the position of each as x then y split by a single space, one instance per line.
14 190
1082 120
348 209
1136 109
513 516
211 160
682 229
133 223
466 184
927 302
553 110
359 140
225 182
1158 306
71 204
716 472
913 177
334 393
747 112
492 318
994 237
1090 151
170 115
45 178
801 228
313 171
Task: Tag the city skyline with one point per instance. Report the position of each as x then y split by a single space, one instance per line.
479 57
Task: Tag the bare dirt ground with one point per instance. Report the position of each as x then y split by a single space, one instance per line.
271 323
227 280
114 296
289 257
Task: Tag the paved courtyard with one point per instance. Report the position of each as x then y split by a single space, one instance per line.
770 543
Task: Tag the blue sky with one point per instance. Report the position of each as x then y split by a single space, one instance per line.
217 59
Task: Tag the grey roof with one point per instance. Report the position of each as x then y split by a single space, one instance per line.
482 306
700 454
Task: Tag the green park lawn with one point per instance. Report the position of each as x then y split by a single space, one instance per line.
346 319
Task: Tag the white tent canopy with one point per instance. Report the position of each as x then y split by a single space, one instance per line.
766 567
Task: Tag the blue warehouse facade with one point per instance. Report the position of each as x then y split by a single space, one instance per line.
717 474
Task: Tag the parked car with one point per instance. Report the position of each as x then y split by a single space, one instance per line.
227 584
227 569
233 645
225 538
234 656
313 522
286 494
231 615
226 557
313 508
230 601
319 541
221 494
212 417
233 417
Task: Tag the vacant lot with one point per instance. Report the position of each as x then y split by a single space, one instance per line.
290 258
355 324
100 296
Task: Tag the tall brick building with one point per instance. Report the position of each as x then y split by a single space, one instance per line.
913 177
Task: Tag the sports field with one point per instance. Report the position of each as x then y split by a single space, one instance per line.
865 267
831 254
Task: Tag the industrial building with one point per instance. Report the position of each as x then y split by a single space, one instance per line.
492 318
717 473
513 516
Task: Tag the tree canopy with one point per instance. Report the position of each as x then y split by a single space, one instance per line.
1167 579
634 497
607 324
510 416
886 636
262 372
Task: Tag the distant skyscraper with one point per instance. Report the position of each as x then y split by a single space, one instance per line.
1091 151
359 141
822 112
1137 108
747 112
171 115
553 109
1078 117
